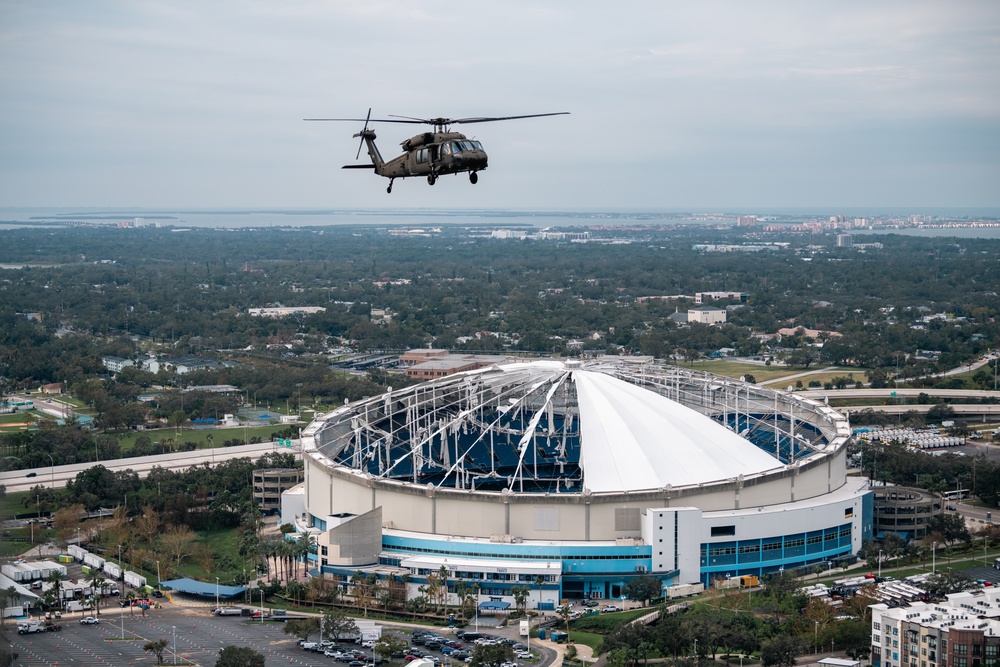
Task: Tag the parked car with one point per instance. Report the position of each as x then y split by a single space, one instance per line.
590 603
89 620
609 608
523 655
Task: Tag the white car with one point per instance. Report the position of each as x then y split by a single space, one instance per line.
90 620
523 655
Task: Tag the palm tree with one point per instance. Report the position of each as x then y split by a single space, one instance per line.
539 580
7 596
97 582
56 580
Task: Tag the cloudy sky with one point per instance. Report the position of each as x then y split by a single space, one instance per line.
724 104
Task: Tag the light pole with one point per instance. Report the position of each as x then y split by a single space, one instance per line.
175 643
815 637
52 472
933 557
216 592
157 575
879 563
262 606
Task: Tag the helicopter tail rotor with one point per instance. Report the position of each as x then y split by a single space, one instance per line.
362 133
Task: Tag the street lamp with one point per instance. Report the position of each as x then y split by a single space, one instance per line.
261 605
879 563
175 643
157 575
216 592
816 637
52 472
933 557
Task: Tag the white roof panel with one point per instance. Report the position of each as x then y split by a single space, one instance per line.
632 438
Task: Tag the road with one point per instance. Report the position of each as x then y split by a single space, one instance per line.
57 476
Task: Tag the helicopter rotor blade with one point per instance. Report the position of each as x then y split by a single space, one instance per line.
369 120
409 120
486 119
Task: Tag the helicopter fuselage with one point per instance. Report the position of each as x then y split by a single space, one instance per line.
429 154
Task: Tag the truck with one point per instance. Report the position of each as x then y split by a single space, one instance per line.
524 628
30 627
228 611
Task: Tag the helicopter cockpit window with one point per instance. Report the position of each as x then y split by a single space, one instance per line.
456 147
422 155
477 146
445 149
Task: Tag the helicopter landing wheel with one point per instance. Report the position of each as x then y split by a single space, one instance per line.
431 179
388 190
473 177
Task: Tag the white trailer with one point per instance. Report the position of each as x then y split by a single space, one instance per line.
45 568
94 561
682 590
112 570
15 572
134 579
76 552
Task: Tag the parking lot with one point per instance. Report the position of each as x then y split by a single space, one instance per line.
195 634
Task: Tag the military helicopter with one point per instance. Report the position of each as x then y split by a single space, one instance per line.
430 154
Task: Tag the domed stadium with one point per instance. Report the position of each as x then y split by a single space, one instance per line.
576 477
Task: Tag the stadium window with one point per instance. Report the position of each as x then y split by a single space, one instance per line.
723 531
849 512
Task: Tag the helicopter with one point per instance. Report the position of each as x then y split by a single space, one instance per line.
431 154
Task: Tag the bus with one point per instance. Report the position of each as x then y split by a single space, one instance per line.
957 494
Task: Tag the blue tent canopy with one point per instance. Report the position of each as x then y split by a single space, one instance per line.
194 587
494 605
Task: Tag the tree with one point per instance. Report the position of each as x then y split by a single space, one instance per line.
389 645
8 596
643 588
56 579
780 650
520 594
176 542
301 627
239 656
492 656
366 588
156 648
97 583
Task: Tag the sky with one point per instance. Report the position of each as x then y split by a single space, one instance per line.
674 105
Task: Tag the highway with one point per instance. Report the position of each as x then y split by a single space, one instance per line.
959 408
57 476
836 394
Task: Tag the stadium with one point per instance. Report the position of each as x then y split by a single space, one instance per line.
571 478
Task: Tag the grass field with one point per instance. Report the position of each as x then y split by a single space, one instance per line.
224 544
591 639
735 369
200 436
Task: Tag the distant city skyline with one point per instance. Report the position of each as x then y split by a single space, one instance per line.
748 108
